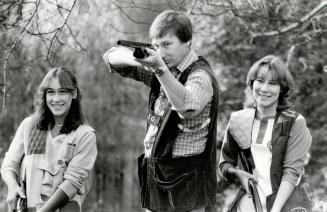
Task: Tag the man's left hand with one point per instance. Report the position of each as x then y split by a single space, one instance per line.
153 60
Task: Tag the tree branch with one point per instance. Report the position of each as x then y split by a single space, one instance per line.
24 28
125 32
58 30
127 16
4 89
292 26
192 6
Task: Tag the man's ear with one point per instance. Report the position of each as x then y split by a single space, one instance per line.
189 43
74 93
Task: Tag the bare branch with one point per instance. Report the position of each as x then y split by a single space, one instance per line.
192 6
58 30
252 5
125 32
292 26
58 5
127 16
75 39
24 26
4 89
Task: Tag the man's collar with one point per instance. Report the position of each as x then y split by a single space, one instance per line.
187 60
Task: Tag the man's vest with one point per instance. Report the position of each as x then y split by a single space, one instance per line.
183 183
240 129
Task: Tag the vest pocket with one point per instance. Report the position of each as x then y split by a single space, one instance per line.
176 184
51 177
182 192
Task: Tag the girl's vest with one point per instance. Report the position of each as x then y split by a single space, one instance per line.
240 129
34 151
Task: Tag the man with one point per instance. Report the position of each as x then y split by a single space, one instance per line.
177 171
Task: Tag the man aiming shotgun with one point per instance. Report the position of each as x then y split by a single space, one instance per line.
177 171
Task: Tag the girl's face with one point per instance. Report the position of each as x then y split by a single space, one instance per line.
59 99
266 93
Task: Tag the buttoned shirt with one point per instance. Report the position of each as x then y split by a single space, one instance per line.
194 125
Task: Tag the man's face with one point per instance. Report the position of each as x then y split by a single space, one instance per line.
171 49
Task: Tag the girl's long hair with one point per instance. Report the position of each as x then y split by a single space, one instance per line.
43 115
273 65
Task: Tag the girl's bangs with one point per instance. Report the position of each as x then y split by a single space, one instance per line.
267 71
65 80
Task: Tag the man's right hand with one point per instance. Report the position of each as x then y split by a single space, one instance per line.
13 192
120 56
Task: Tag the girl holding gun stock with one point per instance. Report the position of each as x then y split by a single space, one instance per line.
273 138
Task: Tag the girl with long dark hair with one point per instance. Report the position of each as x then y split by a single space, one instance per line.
50 160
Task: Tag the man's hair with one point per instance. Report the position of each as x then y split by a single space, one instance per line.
274 66
171 21
43 114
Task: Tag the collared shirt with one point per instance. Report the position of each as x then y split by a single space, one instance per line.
196 109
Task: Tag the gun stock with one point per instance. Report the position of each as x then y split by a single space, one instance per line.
255 196
139 48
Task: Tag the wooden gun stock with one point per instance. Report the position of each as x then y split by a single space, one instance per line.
255 195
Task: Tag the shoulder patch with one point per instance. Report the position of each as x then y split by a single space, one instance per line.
241 125
289 113
82 129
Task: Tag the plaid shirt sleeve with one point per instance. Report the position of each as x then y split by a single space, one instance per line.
199 93
141 74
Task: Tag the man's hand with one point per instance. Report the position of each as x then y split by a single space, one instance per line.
120 56
153 60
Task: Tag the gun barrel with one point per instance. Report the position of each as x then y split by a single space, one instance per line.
133 44
139 48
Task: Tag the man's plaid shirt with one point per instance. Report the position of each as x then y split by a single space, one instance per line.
194 116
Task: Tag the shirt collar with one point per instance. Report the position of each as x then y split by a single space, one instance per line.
187 60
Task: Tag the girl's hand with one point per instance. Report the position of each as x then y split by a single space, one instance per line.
13 192
244 178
